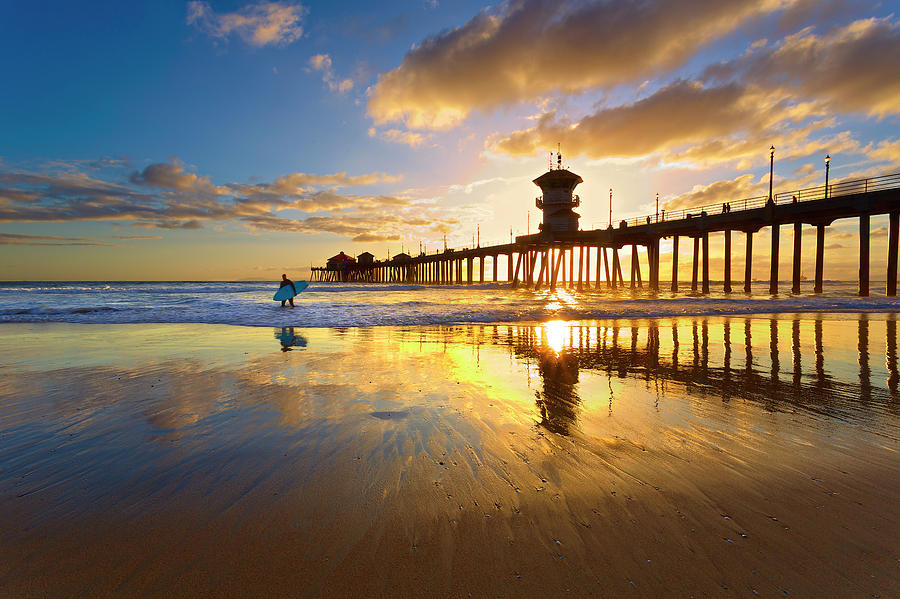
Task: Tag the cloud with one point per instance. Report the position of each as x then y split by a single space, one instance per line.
410 138
371 237
526 49
296 191
885 151
262 24
320 62
790 143
136 237
171 175
298 182
365 222
743 186
164 196
186 225
852 68
689 122
51 240
685 113
323 64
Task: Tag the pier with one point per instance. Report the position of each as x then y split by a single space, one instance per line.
561 254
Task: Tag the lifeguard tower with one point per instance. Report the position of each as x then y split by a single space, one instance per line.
558 200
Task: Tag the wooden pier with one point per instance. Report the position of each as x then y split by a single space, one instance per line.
554 258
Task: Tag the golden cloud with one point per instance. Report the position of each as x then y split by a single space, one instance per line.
678 115
852 68
259 24
529 48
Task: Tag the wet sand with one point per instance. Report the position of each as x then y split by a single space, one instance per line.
676 457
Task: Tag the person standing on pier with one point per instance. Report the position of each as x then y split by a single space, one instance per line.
286 281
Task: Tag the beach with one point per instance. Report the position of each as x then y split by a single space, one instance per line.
588 298
670 456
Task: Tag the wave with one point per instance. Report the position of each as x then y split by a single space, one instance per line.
329 305
318 316
47 311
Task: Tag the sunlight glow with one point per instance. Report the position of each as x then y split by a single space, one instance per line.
554 334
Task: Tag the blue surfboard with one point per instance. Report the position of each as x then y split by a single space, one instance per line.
286 293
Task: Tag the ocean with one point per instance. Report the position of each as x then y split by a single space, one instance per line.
352 305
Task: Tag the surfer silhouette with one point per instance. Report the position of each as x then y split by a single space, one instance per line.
286 281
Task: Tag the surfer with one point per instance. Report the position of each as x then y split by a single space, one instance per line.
287 281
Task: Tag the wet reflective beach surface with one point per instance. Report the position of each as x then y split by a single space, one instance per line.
729 456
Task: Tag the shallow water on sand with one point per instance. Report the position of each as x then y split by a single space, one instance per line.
683 456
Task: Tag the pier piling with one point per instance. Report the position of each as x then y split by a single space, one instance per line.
617 270
675 264
727 270
864 255
748 262
795 274
696 257
609 281
773 265
893 221
706 263
580 265
820 257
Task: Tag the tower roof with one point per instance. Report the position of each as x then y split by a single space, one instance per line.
558 178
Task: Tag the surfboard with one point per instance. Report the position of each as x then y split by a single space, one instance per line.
286 292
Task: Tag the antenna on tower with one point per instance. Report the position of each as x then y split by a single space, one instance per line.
558 157
550 167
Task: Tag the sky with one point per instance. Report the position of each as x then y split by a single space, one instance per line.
213 140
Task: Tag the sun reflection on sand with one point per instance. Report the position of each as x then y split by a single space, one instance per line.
555 334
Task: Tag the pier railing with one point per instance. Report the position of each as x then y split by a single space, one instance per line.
841 188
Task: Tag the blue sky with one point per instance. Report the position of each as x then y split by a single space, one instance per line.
234 140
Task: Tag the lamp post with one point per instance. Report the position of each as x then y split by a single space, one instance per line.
610 207
657 206
827 168
771 170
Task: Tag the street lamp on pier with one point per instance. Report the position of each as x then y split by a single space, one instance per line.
610 207
657 206
771 170
827 168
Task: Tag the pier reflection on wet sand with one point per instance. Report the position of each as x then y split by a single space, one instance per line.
687 456
747 362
